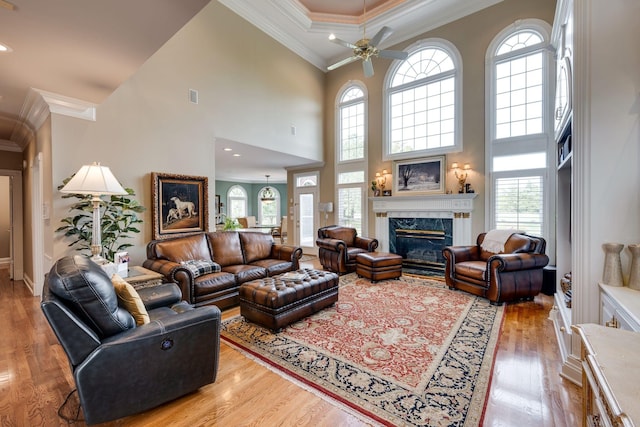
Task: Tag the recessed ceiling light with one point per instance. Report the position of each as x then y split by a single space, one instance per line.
4 48
228 149
236 155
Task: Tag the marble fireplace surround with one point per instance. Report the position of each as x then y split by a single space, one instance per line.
458 207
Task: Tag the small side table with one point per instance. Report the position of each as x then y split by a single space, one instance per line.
140 277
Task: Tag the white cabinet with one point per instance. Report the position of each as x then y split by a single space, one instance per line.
610 376
620 307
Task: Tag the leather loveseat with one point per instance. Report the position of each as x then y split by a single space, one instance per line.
338 247
237 257
121 368
512 274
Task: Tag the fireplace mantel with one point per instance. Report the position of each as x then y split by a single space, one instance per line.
458 207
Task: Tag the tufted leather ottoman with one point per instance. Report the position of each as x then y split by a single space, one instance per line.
378 266
275 302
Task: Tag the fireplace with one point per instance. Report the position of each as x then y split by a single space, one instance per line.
420 242
418 227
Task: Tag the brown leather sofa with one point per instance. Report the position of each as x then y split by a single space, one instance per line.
511 275
338 247
241 257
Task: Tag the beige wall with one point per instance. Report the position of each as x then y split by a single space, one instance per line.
471 36
251 89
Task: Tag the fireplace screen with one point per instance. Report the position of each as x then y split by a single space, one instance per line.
420 242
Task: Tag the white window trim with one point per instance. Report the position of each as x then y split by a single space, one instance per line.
229 198
352 165
528 143
455 56
338 121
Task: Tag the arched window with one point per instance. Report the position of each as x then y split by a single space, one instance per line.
423 102
269 206
351 156
520 128
236 202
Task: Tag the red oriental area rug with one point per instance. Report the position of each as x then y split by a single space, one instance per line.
398 352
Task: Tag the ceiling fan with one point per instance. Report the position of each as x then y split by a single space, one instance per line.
366 49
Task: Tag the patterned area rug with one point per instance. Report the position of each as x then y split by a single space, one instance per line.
399 352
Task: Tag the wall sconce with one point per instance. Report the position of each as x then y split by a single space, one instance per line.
461 175
381 178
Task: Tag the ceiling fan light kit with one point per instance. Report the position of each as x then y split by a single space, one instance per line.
365 49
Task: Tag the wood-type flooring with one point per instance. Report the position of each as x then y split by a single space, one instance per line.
35 378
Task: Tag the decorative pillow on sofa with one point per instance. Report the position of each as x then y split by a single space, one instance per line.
130 300
200 267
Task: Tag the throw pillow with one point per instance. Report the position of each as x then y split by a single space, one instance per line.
130 300
200 267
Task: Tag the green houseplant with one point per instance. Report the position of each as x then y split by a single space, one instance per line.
118 219
231 224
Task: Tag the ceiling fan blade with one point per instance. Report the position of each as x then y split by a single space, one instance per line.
367 66
343 62
380 36
7 5
393 54
342 42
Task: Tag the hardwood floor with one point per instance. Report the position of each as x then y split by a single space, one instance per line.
35 378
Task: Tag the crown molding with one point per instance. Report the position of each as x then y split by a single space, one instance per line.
10 146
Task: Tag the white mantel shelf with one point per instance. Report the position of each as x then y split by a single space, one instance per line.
458 207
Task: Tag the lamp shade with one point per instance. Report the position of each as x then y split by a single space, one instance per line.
94 179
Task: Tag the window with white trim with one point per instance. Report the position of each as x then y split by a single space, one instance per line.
237 202
351 153
269 206
423 102
520 128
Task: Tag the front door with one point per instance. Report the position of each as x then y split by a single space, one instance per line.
305 218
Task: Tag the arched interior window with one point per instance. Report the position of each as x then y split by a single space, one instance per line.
423 102
520 128
351 130
237 202
269 203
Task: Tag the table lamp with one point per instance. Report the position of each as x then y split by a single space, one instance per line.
97 181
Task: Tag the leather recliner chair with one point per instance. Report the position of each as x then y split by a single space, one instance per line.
119 368
338 247
513 274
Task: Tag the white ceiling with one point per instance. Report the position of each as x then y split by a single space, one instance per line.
86 49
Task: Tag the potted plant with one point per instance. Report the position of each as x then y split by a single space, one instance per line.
231 224
119 218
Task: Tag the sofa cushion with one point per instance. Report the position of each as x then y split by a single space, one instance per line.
274 266
130 300
256 246
225 248
246 272
199 267
89 293
184 248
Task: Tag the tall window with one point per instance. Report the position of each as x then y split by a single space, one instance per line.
351 151
269 206
520 128
237 202
422 102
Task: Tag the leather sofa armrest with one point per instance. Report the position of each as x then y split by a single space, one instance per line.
163 295
287 253
366 243
174 272
331 244
516 262
461 253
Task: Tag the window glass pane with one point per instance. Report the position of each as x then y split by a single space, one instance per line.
350 208
351 177
423 63
306 181
307 208
519 96
519 204
351 94
519 40
520 162
352 132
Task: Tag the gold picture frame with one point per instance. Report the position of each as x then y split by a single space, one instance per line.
180 205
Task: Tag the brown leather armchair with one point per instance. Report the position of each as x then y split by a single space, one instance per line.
338 247
513 274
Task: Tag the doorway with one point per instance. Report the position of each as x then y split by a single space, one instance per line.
11 244
305 195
